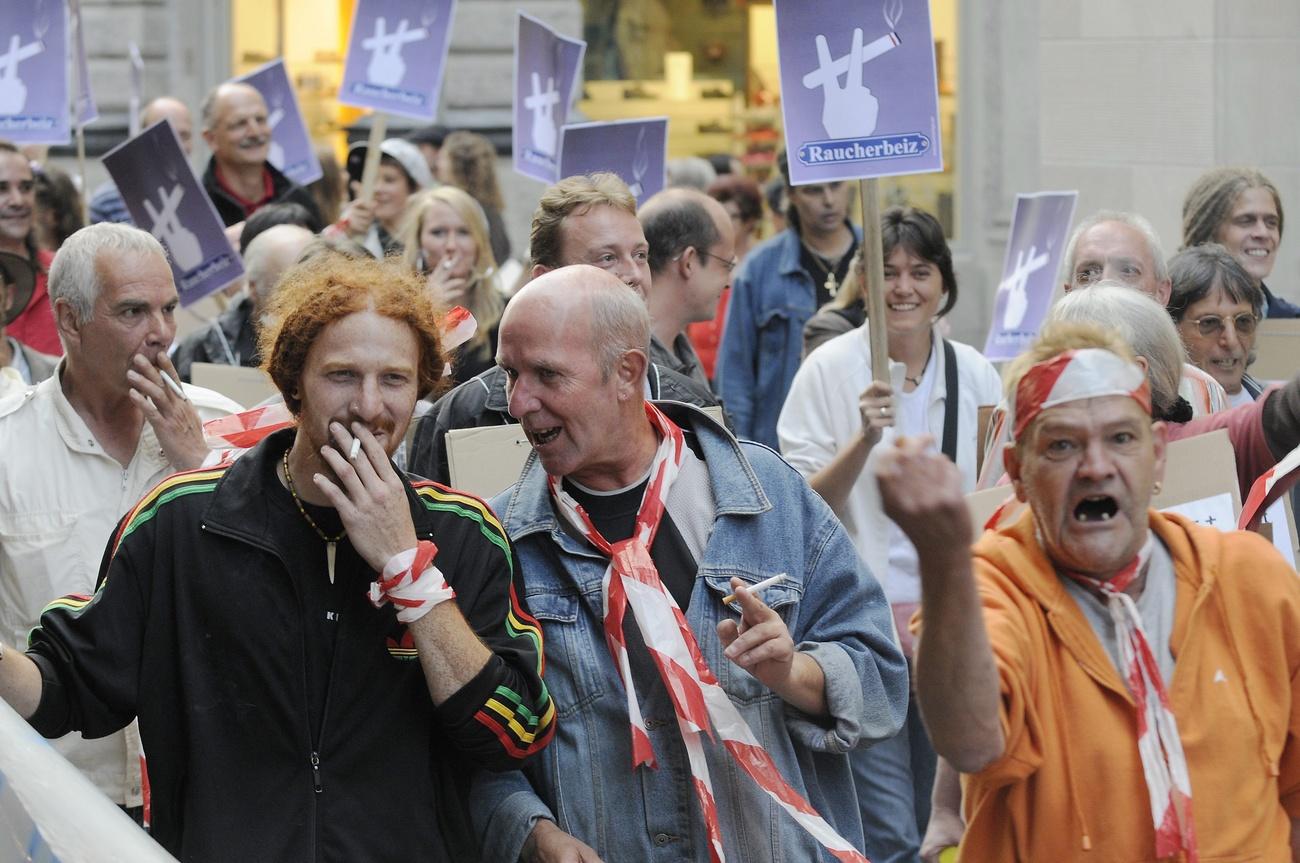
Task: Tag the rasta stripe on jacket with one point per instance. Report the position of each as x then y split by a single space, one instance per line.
177 485
523 725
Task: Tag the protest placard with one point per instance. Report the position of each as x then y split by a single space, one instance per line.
291 151
858 89
1277 349
633 149
165 198
396 53
1040 225
34 71
547 66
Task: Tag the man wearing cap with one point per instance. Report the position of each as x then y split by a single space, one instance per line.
375 222
239 179
1115 683
17 282
81 447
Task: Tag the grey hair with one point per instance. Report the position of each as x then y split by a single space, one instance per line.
619 323
74 273
692 172
260 260
1141 322
1133 220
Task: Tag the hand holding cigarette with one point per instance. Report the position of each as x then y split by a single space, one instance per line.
166 407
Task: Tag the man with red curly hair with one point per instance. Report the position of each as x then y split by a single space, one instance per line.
315 647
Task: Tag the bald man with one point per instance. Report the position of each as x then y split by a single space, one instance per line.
692 254
239 179
232 338
106 203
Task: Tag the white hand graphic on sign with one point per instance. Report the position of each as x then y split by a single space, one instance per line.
848 111
542 104
1016 284
13 93
386 65
640 164
275 154
178 239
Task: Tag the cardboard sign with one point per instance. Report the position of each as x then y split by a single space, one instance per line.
1040 226
1198 468
396 54
1277 349
858 89
488 460
166 199
547 66
34 71
291 150
633 149
241 384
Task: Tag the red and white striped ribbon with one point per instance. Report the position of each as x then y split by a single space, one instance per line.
1271 485
411 583
1161 749
700 702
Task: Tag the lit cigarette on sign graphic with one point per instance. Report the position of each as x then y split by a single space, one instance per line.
757 587
840 65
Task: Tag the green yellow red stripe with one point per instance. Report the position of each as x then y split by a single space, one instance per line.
174 486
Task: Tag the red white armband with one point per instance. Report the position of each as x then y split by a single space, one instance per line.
412 583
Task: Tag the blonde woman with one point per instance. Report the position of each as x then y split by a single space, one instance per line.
445 237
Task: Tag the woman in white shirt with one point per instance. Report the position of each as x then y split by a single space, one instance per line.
834 418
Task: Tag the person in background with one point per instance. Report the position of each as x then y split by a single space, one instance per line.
239 179
330 190
429 139
376 223
34 324
833 427
776 290
1217 307
469 162
58 208
691 172
774 193
28 366
106 203
1240 209
743 201
445 237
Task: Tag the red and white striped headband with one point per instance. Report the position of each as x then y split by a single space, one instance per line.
1085 373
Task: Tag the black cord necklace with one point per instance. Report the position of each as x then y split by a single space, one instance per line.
331 542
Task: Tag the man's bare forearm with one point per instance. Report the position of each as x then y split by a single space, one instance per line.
20 681
451 655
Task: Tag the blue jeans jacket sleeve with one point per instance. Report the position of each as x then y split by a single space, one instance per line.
504 809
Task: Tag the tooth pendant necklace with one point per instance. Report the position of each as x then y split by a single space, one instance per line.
331 542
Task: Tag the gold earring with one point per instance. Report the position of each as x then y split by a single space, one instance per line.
1156 486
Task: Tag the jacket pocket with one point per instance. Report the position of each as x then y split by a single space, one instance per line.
782 598
573 665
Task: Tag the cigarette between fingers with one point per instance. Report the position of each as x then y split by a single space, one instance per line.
355 450
173 386
755 588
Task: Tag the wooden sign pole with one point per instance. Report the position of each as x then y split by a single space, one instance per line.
873 269
378 129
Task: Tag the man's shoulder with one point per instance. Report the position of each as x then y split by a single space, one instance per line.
183 492
468 401
443 505
22 406
762 260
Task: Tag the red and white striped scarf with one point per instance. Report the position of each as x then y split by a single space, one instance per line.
1161 749
699 701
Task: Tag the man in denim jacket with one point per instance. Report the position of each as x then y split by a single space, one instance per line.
811 666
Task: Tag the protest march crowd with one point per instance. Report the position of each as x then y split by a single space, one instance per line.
733 606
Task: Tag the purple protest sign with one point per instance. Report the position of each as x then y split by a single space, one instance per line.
83 103
34 71
396 53
291 150
164 197
858 88
633 149
1039 226
546 71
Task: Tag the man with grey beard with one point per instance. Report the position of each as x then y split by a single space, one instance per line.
239 179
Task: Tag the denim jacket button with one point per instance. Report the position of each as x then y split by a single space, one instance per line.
663 838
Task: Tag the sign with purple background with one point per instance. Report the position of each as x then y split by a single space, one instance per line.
858 88
84 99
1040 225
633 149
164 198
546 71
34 71
291 150
396 53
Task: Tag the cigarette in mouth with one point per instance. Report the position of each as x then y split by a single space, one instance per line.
356 449
755 588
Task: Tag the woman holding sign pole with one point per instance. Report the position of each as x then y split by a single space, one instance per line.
834 418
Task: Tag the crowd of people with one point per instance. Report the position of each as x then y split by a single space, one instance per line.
733 606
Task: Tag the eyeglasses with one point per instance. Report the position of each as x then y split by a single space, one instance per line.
729 263
1210 326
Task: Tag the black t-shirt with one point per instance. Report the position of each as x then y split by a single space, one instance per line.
816 268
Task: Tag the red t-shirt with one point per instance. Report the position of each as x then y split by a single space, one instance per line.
35 326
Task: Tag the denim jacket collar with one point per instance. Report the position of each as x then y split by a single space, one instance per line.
788 263
527 509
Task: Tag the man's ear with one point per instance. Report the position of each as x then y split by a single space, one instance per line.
687 262
631 371
65 319
538 269
1011 461
1164 288
1066 286
1160 443
207 137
